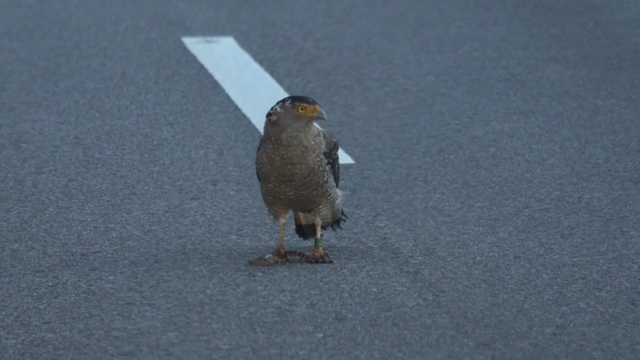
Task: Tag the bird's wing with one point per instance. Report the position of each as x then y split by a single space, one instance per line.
330 153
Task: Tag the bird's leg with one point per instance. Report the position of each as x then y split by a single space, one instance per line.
318 255
280 254
317 243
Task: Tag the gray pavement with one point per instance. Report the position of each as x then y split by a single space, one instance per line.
494 209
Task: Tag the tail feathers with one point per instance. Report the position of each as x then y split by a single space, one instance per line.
306 229
337 223
304 225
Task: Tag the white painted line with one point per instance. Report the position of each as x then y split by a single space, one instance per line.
241 77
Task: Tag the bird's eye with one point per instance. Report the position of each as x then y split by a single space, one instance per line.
302 109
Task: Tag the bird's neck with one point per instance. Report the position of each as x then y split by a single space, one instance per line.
295 133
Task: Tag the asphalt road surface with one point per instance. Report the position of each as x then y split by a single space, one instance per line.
494 207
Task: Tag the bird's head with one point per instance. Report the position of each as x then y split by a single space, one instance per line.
296 109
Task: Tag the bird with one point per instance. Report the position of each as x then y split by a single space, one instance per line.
298 169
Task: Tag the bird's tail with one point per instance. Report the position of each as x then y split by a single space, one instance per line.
305 228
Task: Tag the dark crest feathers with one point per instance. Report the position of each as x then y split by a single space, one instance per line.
292 99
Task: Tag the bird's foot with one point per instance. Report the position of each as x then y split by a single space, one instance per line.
317 256
280 255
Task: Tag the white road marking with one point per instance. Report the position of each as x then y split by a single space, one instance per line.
241 77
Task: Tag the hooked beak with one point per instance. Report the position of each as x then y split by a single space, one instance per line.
320 114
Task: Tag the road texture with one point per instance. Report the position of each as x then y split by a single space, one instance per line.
494 207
